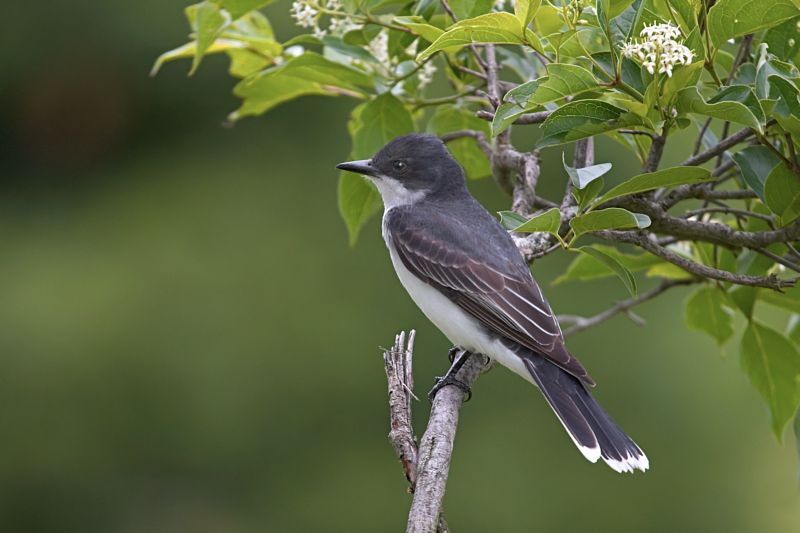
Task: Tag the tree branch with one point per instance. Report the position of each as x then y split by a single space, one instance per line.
483 142
581 323
724 144
436 448
398 365
642 241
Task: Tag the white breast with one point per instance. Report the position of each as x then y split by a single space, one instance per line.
459 327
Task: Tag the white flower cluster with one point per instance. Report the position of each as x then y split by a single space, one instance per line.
660 49
310 13
307 15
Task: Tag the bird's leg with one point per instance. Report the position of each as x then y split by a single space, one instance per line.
453 352
450 377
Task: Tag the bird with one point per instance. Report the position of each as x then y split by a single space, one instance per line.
464 272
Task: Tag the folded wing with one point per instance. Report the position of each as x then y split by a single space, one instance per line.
500 294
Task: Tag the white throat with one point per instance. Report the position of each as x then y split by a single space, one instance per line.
394 193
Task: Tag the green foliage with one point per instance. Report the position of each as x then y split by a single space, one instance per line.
611 218
409 66
371 126
669 177
773 363
733 18
706 312
613 264
448 119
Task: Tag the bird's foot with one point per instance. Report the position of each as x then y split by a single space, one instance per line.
450 377
453 352
444 381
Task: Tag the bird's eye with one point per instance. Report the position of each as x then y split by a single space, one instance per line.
399 165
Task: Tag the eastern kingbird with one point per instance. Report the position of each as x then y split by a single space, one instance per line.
464 272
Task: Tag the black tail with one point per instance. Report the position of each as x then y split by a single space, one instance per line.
591 428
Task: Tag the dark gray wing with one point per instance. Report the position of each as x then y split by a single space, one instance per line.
497 292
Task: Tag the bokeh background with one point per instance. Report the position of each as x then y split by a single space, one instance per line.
187 344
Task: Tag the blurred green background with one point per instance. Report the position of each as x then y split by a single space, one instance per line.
188 344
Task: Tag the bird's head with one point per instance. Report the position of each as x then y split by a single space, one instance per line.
410 168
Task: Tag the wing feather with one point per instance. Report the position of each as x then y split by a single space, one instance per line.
508 301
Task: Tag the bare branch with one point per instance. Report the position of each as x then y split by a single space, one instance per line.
741 55
656 151
398 365
791 265
641 240
491 76
728 211
524 195
684 192
724 144
436 448
479 136
581 323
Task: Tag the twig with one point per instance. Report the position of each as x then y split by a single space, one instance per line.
720 147
728 211
581 323
641 240
523 196
398 365
479 137
656 150
491 76
791 265
741 55
436 448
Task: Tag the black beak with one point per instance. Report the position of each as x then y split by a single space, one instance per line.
363 166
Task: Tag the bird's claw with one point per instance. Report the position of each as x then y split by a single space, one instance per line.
444 381
453 352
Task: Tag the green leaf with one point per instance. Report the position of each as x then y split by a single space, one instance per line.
705 312
690 101
371 126
237 8
304 75
585 268
668 177
732 18
419 27
499 28
618 268
511 220
580 119
243 62
207 21
525 10
755 163
742 94
793 328
784 40
515 103
562 80
548 221
789 299
611 218
450 118
780 191
773 365
684 76
467 9
581 177
586 195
